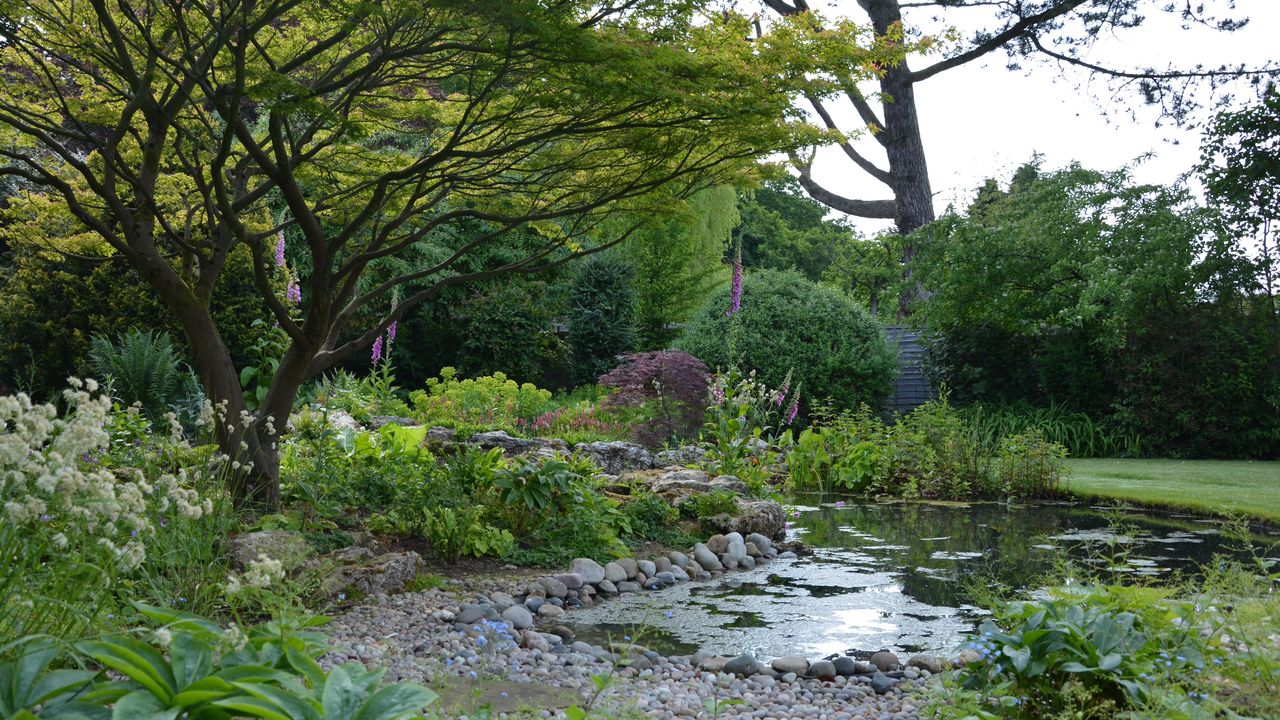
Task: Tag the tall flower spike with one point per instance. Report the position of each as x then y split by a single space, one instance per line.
280 248
735 301
377 349
293 293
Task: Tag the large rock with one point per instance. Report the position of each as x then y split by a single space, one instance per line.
519 617
589 569
792 664
760 541
736 547
616 457
763 517
681 456
743 665
932 663
730 483
647 567
553 587
512 446
884 661
290 548
676 486
705 558
824 669
384 574
378 422
629 566
615 573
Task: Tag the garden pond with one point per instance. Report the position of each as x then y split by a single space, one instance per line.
901 576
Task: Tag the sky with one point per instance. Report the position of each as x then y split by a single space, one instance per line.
982 120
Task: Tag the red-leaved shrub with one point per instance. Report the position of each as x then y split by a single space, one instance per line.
673 384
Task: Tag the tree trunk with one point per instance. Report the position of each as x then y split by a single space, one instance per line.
908 170
253 477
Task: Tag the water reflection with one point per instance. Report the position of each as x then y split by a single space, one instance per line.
894 576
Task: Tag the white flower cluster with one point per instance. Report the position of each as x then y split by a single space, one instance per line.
49 492
261 574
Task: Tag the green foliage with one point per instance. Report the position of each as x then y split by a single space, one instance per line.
80 541
532 489
743 421
602 322
491 402
140 366
55 305
676 263
508 331
1085 651
1082 436
782 228
192 668
710 504
1084 292
650 518
930 453
788 323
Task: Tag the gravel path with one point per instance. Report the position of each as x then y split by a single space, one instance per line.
528 673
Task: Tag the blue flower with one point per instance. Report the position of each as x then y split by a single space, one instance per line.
503 693
342 596
670 614
448 662
481 641
473 674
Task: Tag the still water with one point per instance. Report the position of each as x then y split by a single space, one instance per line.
902 576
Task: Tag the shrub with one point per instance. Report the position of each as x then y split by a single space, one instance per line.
190 667
710 504
670 384
1082 436
930 453
787 322
508 331
140 366
1083 651
602 324
75 531
483 403
54 305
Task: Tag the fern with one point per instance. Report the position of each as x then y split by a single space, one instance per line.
140 366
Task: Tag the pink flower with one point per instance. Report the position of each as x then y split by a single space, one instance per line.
839 503
280 248
735 301
293 293
791 412
391 332
377 349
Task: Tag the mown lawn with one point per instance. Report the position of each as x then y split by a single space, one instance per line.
1217 486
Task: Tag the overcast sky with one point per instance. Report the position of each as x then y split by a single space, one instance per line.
982 120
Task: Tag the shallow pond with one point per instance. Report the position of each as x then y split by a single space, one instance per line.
899 576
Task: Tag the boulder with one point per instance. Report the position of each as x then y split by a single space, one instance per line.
760 541
614 573
512 446
551 612
572 581
718 543
736 548
553 587
616 457
472 613
519 617
743 665
932 663
676 486
440 440
764 517
628 566
590 570
378 422
678 573
608 588
662 564
290 548
534 641
845 666
678 559
684 455
706 559
384 574
824 669
341 421
791 664
627 586
647 567
730 483
747 563
882 683
884 661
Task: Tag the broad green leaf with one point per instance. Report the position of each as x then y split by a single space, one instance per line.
249 706
396 701
142 705
135 660
191 659
341 699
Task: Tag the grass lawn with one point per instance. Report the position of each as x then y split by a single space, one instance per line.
1217 486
